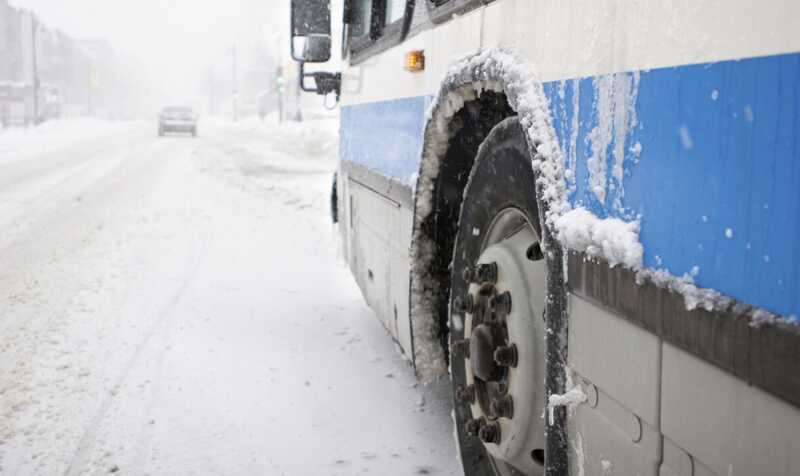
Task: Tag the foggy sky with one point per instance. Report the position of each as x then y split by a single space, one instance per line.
175 39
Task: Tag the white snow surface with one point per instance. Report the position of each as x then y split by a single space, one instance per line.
177 306
18 143
615 240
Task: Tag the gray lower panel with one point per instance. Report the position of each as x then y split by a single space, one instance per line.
725 424
654 408
380 184
767 357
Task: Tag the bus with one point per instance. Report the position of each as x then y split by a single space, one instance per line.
586 215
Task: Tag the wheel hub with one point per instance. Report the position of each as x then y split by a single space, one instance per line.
482 345
503 348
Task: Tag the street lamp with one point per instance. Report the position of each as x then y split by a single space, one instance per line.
235 87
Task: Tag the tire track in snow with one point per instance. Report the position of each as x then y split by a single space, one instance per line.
79 460
36 321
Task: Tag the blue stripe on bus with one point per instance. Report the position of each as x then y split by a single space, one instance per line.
385 136
717 183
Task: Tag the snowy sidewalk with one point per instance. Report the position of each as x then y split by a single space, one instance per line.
179 308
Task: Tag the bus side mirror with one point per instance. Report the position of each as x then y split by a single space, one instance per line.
311 30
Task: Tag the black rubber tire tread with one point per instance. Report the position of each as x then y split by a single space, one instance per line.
501 177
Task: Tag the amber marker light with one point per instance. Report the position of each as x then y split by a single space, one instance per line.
415 60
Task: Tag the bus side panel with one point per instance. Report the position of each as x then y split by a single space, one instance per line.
380 144
712 168
711 165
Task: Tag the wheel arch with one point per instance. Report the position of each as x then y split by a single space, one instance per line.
501 72
489 73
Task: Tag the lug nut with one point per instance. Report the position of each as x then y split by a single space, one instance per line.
464 304
470 275
502 304
460 347
502 407
465 393
487 273
534 252
473 427
486 290
482 273
506 355
489 433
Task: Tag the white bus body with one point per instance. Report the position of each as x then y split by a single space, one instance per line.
664 138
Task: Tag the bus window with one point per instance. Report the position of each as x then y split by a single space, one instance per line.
394 11
362 17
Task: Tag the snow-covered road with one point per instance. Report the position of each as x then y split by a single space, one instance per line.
177 306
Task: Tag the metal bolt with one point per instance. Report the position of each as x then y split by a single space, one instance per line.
473 427
479 311
506 355
502 407
470 275
465 393
486 290
534 252
482 273
487 272
502 304
464 304
460 347
489 433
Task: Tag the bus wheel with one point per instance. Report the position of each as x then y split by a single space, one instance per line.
497 332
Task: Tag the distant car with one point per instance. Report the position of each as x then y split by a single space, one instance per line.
177 119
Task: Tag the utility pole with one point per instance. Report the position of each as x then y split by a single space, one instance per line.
89 86
210 90
279 91
34 27
235 88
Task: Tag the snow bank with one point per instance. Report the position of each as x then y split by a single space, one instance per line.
316 138
21 143
310 146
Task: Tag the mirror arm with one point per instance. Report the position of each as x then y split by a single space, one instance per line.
302 78
324 81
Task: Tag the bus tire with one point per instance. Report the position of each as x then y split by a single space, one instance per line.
497 335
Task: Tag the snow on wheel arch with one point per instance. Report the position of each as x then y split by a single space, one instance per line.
496 70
